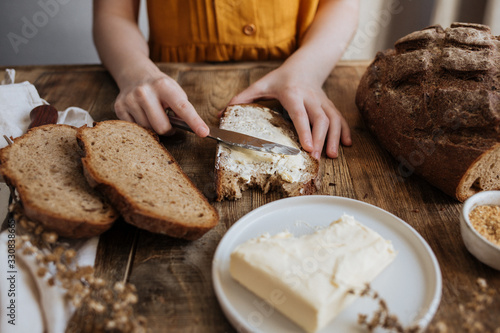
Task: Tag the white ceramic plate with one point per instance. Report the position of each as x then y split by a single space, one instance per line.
411 285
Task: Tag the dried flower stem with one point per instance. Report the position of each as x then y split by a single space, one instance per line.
381 318
112 302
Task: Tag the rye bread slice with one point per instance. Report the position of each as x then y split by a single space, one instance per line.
143 181
238 169
44 167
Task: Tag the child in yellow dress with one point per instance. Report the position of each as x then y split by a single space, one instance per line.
309 35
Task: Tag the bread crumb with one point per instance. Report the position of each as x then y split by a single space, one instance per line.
486 220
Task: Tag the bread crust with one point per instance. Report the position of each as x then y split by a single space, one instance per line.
127 207
51 219
432 102
229 185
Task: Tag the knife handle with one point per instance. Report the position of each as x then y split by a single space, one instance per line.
177 122
43 115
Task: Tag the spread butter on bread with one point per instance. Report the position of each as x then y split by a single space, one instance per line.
44 166
143 181
238 169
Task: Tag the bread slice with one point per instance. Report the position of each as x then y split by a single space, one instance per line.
44 166
238 169
143 181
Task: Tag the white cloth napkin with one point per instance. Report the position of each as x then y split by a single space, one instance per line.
37 307
16 102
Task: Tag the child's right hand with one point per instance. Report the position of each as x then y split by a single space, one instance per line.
145 99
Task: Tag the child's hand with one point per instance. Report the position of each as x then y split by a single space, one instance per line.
144 101
307 105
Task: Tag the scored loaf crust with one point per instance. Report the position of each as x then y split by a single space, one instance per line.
44 167
433 103
231 183
143 181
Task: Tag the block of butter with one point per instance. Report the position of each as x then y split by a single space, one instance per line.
312 274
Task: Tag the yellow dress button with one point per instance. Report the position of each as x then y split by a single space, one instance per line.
249 29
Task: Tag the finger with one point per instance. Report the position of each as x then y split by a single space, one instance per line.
320 126
332 144
149 110
122 113
250 94
298 114
345 135
185 110
171 95
134 110
339 132
156 114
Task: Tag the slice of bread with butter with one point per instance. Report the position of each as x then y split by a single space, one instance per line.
238 169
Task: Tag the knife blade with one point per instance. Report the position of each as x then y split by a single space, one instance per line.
237 139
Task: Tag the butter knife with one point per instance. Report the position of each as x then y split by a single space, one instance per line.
237 139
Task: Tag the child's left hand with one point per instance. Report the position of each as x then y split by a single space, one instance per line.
314 115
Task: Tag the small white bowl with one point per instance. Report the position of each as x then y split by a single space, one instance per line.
484 250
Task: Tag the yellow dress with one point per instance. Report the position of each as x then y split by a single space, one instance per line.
227 30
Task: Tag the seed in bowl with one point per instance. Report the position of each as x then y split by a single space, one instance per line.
486 220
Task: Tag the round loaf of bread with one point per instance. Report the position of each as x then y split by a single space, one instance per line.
434 103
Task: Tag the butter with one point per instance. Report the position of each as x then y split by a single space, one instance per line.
312 274
246 162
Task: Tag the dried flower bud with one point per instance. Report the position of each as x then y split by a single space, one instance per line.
131 298
99 283
107 295
38 230
24 224
58 251
61 268
77 302
49 258
119 287
49 237
25 238
110 325
97 306
84 272
41 272
31 225
482 284
69 255
29 250
118 306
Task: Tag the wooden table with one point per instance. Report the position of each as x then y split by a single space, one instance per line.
173 277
